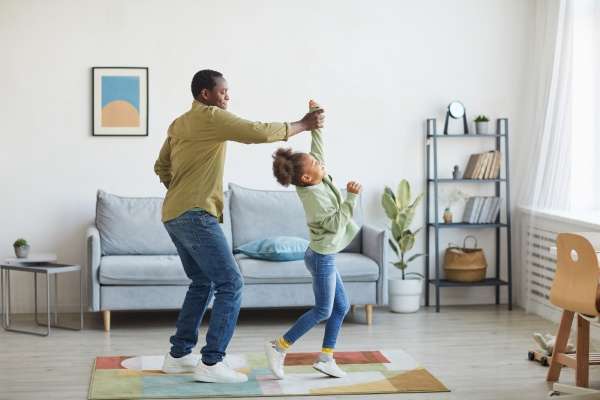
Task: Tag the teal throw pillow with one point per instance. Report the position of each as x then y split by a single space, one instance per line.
279 248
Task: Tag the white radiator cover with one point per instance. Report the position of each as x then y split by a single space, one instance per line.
538 233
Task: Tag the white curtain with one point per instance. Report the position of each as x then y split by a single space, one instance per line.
561 155
547 150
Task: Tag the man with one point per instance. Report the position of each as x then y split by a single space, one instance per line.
190 165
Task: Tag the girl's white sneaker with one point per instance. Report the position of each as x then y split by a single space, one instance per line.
275 359
329 368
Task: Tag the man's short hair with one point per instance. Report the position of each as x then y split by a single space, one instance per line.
205 79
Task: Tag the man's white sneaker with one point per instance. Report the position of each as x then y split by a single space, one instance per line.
218 373
275 359
329 368
172 365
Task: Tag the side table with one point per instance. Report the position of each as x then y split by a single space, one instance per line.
48 269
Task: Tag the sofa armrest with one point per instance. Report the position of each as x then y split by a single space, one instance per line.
374 246
93 253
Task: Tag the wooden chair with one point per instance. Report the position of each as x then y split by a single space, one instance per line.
575 290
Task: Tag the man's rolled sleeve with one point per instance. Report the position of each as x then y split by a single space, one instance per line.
232 127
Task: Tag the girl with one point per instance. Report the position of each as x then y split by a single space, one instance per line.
331 227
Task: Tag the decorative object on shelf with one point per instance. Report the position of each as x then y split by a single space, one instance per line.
404 293
456 172
501 222
465 264
456 110
120 101
21 248
482 125
451 198
447 216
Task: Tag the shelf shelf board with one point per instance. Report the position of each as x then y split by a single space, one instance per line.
470 135
485 282
465 225
448 180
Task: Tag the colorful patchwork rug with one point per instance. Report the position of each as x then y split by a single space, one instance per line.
369 372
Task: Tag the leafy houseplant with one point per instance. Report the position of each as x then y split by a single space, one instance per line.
482 125
21 248
405 294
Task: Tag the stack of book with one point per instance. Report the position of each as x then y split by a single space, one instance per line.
483 165
481 210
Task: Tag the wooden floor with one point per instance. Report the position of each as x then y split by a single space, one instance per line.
478 352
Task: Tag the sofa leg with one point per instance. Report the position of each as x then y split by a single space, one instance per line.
369 311
106 317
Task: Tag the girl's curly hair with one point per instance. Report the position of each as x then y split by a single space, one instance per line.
288 167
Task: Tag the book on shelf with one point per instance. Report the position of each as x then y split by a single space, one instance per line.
481 210
483 165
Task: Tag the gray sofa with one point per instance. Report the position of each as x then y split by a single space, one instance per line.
133 265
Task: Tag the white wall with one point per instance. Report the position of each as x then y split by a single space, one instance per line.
379 68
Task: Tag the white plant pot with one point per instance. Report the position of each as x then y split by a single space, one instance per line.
405 295
482 128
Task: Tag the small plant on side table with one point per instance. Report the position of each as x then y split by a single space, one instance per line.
21 248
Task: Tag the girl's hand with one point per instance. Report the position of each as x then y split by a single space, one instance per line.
353 187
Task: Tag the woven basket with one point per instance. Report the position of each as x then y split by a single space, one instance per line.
462 264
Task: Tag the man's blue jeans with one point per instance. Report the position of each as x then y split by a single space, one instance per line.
331 301
209 263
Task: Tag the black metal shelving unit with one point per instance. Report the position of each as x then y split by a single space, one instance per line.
434 226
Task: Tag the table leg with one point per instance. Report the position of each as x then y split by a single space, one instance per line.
48 300
8 297
55 299
35 297
81 299
2 298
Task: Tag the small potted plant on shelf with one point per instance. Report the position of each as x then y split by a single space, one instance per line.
21 248
404 292
482 125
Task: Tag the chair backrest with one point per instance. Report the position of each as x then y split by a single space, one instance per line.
575 283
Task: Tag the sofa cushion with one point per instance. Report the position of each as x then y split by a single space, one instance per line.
352 267
279 248
131 225
259 214
142 270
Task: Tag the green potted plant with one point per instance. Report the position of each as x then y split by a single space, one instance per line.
482 125
21 248
404 292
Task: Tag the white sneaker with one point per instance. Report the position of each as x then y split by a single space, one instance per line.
329 368
275 359
182 365
218 373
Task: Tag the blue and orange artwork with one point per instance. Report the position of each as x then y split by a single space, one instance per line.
120 101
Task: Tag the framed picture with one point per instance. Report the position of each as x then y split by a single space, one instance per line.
120 101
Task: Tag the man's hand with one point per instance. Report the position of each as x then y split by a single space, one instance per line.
312 120
353 187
